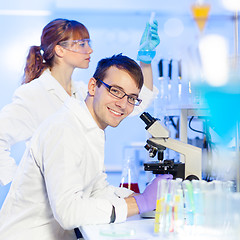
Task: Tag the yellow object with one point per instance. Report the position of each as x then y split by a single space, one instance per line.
158 214
200 14
177 202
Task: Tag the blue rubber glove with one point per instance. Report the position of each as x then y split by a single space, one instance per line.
147 200
147 45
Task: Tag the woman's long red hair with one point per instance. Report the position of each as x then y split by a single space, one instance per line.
41 57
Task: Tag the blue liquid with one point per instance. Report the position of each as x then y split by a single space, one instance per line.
224 105
146 55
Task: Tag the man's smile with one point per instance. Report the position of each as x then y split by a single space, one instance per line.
115 112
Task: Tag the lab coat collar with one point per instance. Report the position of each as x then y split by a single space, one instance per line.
74 89
80 109
51 84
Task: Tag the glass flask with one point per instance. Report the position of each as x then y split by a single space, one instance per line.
130 172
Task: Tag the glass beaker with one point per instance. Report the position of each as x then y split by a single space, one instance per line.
129 177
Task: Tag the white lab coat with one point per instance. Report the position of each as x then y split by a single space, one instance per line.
32 103
60 183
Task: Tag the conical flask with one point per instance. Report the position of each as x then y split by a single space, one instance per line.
200 14
129 176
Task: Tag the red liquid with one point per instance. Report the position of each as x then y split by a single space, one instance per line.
134 187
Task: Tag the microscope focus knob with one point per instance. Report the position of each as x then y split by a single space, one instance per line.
147 146
152 152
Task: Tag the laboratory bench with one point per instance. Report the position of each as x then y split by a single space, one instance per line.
134 228
137 228
220 221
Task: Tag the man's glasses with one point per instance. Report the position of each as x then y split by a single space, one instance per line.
80 46
116 92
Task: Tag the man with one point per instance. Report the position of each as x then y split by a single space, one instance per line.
60 183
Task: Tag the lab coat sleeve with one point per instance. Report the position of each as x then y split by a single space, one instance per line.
123 192
147 97
115 195
16 124
103 188
64 166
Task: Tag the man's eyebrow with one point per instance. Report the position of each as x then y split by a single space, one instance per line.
116 86
120 88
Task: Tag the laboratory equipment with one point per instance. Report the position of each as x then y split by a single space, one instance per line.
196 208
200 14
174 76
170 80
169 215
149 41
192 166
147 200
130 171
162 101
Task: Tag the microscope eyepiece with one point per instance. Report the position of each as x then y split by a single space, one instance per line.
147 118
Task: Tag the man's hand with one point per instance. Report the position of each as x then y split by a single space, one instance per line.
147 200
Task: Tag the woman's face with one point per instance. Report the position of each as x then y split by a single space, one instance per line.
77 52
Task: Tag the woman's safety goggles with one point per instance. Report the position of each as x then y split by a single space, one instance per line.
80 46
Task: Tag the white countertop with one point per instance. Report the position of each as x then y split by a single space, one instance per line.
135 228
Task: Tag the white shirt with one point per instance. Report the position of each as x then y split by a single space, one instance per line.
32 103
60 183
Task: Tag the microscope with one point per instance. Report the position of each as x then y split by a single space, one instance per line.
190 169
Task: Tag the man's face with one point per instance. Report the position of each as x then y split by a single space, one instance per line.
107 109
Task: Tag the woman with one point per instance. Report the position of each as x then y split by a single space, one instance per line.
47 83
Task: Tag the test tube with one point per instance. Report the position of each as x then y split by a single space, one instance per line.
160 207
188 202
198 198
229 186
177 206
233 215
220 204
